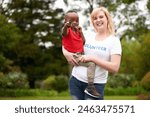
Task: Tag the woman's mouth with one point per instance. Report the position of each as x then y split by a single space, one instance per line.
99 23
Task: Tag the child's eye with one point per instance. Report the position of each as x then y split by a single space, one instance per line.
75 20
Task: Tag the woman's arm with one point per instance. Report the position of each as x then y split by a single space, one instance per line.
69 56
112 66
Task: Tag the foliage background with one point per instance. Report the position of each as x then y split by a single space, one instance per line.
27 26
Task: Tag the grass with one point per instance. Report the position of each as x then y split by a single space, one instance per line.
38 94
65 98
120 97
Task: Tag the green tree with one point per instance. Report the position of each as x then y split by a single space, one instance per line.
143 57
9 37
40 23
129 56
135 56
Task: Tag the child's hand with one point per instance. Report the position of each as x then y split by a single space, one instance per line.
79 29
68 24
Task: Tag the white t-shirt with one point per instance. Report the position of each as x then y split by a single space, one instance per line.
102 49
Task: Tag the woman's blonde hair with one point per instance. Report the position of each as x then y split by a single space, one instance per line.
110 25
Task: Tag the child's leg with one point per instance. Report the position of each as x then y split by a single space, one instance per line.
90 90
90 68
91 72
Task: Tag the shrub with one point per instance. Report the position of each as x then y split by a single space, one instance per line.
143 97
58 83
125 91
47 83
14 80
146 81
26 92
1 74
120 80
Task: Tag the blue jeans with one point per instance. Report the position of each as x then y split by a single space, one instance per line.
77 88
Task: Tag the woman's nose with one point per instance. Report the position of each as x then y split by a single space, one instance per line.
98 19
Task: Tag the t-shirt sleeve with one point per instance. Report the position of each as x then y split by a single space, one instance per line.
116 46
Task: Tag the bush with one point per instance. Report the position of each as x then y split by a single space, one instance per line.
26 92
146 81
58 83
47 83
14 80
1 74
143 97
120 80
125 91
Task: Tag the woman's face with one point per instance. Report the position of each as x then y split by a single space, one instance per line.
100 21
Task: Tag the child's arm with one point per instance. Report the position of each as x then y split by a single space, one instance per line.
82 35
65 28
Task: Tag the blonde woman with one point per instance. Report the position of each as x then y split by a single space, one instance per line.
103 48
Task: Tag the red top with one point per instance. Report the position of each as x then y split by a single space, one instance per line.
73 42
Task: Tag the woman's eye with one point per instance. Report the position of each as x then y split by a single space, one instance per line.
101 16
94 18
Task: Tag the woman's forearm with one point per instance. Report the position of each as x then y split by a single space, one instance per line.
112 66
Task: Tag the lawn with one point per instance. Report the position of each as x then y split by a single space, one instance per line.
65 98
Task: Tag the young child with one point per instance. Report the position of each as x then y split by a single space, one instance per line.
73 41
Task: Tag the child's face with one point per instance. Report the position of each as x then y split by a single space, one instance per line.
73 18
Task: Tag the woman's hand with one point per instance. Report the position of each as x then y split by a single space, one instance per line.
69 57
86 58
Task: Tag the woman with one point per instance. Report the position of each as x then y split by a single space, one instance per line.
102 48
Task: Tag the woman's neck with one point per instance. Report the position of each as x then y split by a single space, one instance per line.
101 36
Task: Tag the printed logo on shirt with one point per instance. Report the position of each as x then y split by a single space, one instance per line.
95 47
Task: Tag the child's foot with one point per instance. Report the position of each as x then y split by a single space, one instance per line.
90 90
